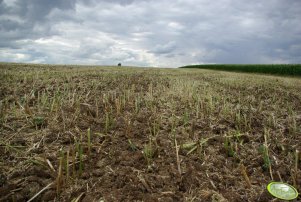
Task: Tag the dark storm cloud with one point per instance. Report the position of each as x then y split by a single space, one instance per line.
27 20
157 33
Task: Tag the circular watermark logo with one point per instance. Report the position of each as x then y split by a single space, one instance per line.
282 190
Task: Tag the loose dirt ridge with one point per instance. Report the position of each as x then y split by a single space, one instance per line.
136 134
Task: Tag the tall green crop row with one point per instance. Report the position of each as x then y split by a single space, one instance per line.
279 69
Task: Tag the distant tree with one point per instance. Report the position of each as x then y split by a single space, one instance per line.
119 64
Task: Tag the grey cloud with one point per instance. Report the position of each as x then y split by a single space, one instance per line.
121 2
27 20
2 7
9 25
164 48
36 10
158 33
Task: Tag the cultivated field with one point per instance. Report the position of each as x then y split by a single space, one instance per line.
137 134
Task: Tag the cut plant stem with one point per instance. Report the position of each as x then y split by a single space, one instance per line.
107 122
73 161
280 178
89 141
81 165
267 153
41 191
244 173
67 165
59 179
178 158
296 166
296 160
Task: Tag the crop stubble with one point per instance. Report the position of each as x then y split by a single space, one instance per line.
126 134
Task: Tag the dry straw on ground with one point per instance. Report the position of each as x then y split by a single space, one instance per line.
125 134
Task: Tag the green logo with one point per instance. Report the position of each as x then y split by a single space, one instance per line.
282 190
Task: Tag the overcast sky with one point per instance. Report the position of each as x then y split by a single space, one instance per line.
164 33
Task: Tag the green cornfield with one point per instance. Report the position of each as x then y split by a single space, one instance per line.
279 69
